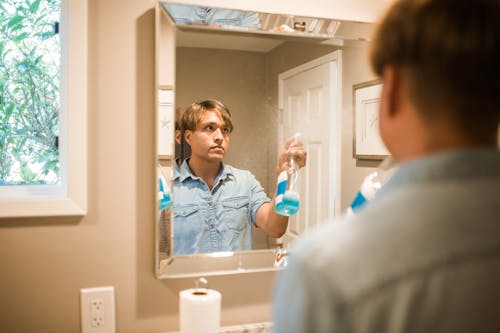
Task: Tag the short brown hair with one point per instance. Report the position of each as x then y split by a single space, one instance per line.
190 118
449 49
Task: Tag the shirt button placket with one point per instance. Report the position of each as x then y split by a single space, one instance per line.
211 225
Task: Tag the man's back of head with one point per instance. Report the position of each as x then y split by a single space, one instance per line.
424 254
448 50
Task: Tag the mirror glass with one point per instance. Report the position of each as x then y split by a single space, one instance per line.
256 64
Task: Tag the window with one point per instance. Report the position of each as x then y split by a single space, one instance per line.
43 71
29 92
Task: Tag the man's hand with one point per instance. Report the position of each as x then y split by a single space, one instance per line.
292 147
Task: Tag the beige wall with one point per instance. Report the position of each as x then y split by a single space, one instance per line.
44 263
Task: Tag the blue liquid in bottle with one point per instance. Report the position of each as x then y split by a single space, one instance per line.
288 205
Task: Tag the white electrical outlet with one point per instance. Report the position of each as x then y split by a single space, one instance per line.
98 310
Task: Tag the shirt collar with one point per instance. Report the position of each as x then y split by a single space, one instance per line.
184 172
454 165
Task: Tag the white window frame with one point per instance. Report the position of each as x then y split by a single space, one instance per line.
70 197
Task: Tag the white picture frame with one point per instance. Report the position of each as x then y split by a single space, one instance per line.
165 124
367 143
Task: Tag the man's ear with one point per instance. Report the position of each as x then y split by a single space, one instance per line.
187 136
390 98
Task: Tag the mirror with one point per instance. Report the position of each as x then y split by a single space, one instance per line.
253 63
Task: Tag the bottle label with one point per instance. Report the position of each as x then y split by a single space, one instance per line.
281 186
358 201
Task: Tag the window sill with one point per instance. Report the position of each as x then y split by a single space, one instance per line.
40 208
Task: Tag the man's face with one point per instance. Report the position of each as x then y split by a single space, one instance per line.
210 140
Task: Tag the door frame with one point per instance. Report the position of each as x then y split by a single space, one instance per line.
335 136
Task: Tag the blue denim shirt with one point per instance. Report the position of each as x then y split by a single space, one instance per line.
187 14
219 219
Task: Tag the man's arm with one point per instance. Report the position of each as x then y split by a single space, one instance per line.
269 221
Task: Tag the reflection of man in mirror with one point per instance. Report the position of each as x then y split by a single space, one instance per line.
424 254
216 204
189 14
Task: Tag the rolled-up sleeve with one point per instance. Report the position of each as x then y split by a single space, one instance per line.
257 197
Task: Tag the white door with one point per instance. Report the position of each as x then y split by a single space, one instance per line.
309 98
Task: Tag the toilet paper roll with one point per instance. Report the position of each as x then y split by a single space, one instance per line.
199 311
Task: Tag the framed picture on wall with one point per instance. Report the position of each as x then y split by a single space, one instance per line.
367 143
165 123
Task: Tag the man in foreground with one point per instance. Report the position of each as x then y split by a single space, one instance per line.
424 255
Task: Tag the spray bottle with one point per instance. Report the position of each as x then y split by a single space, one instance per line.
287 197
371 184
